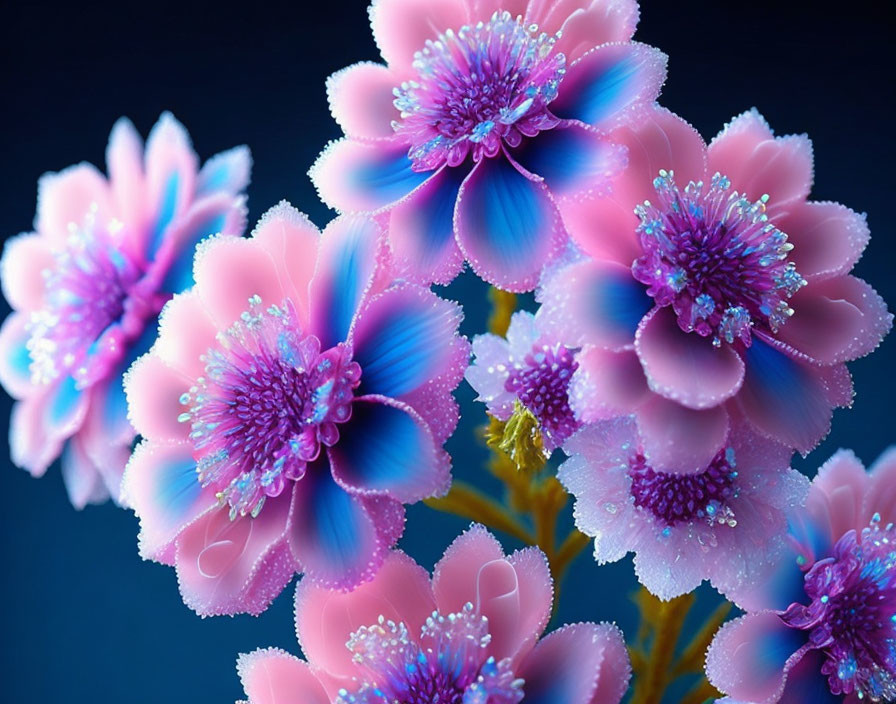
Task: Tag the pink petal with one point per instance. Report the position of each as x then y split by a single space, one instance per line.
679 439
15 359
185 334
25 259
605 228
606 384
836 320
107 444
153 390
421 230
507 225
331 534
226 172
239 566
455 576
352 261
760 164
611 84
685 367
325 619
293 242
840 490
124 161
161 485
880 496
358 177
171 168
273 676
482 10
361 99
31 446
64 200
83 482
594 303
583 663
388 515
401 27
788 397
584 24
750 656
229 271
827 238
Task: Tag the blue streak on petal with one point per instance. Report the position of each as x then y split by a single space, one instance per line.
180 276
388 178
620 300
602 93
20 359
178 486
167 208
336 523
64 402
564 157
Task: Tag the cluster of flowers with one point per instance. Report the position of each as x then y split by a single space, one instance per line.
293 389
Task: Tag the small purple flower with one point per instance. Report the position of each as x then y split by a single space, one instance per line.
719 524
484 120
821 620
86 289
530 367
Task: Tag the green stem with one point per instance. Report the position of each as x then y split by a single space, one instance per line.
466 501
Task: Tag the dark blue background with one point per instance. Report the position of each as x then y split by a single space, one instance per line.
82 618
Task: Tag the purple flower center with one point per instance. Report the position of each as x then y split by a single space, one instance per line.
683 498
477 88
851 616
267 402
447 666
713 256
541 383
95 301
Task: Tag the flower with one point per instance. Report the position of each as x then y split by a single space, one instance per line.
485 116
529 367
821 623
719 524
471 635
86 288
714 290
294 399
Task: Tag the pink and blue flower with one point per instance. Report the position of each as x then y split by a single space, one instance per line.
714 290
86 288
484 118
821 622
471 634
295 399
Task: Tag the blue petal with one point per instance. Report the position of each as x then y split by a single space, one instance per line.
383 449
772 650
345 269
805 683
620 301
389 177
506 224
180 276
20 359
65 402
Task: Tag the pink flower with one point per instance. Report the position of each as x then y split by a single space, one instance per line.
529 367
715 290
821 623
485 117
469 635
86 288
293 401
720 524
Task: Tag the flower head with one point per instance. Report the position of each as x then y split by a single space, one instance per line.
480 123
719 524
713 290
469 635
292 402
86 288
821 621
528 367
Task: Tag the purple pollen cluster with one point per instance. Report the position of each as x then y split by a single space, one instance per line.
541 383
269 400
93 296
713 256
448 664
682 498
478 88
851 616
